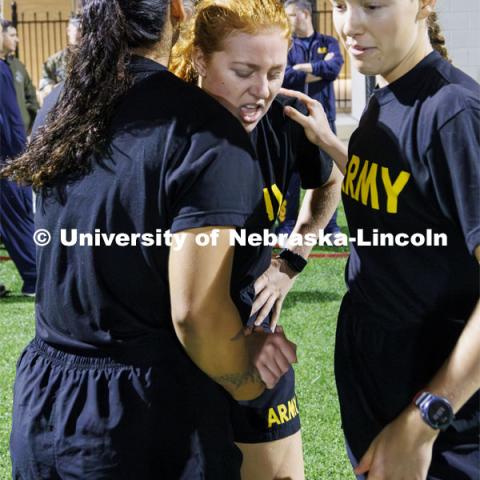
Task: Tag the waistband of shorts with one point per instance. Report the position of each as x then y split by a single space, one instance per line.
141 357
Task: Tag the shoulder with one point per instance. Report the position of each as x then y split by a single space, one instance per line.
326 39
56 57
452 92
278 123
163 99
282 101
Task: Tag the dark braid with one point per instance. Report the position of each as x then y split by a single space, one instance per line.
76 130
436 37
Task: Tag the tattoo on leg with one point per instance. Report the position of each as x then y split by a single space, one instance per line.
239 379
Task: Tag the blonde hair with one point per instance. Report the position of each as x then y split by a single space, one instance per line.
214 20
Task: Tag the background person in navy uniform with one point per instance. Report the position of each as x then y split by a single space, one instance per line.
133 344
26 93
244 72
314 63
407 351
16 215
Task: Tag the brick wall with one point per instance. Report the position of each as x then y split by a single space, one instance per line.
460 22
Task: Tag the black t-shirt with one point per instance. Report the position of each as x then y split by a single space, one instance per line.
170 143
176 160
281 148
418 140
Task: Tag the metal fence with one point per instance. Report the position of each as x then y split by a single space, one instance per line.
45 35
323 21
39 38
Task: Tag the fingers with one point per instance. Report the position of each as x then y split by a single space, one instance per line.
260 284
260 300
267 376
366 461
296 116
293 93
288 348
272 365
265 310
277 308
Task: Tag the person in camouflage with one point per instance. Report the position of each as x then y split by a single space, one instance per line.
54 69
24 88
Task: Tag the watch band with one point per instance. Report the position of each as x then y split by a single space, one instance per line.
296 262
435 411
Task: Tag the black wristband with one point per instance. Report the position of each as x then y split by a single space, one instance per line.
296 262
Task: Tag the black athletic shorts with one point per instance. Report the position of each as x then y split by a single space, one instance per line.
272 416
94 418
378 372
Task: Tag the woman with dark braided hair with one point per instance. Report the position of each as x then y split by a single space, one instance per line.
134 340
407 360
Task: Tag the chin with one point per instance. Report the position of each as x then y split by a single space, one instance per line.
250 127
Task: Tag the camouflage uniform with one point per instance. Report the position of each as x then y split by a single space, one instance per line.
25 90
54 70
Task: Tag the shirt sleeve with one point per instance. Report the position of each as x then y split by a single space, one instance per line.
211 183
294 79
329 69
453 159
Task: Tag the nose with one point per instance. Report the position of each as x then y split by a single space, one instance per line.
353 22
261 88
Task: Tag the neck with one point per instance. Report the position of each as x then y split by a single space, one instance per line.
159 57
305 32
413 58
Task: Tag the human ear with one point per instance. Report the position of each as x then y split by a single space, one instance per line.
426 9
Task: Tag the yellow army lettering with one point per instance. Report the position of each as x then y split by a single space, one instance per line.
366 188
268 201
282 413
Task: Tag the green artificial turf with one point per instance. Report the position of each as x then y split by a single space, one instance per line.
309 318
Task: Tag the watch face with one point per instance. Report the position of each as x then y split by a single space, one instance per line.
439 413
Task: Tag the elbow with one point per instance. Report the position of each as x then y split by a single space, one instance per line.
183 317
193 318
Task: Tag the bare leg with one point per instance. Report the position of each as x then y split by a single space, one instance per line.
278 460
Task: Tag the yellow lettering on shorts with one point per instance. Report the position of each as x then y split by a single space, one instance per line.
272 417
282 411
393 190
292 408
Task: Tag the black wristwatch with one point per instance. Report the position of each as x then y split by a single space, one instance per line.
435 411
296 262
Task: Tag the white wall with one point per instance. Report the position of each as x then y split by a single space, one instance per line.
460 23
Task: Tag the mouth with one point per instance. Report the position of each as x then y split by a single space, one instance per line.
358 50
251 113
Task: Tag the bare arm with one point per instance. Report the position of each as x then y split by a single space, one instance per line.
208 324
272 287
404 447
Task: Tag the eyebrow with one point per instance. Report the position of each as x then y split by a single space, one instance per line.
253 66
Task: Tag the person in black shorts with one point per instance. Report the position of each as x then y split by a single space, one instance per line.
407 360
240 58
138 348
